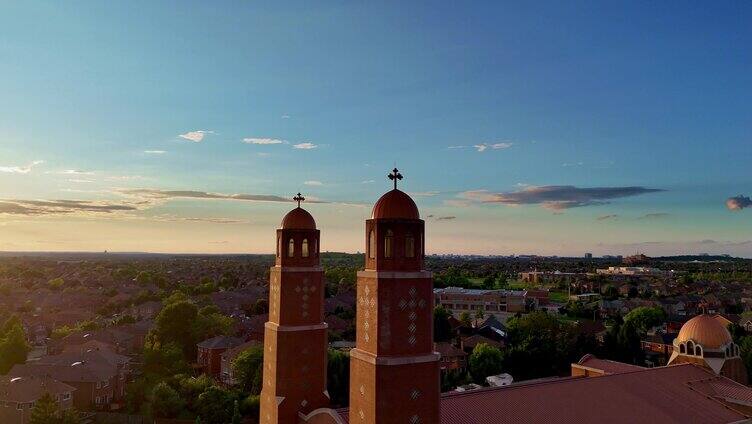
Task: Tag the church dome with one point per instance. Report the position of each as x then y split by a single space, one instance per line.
298 219
395 204
705 331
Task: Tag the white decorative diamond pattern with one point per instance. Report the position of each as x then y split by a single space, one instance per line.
367 303
412 304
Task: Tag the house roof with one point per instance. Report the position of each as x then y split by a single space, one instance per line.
609 367
231 354
663 394
30 389
448 350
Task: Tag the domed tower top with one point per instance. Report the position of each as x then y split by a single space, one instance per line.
705 331
395 204
298 238
394 234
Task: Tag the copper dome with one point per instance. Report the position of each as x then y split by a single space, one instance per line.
298 219
395 205
706 331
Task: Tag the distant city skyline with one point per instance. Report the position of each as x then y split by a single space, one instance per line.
549 129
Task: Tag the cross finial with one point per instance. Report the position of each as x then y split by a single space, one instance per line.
298 198
394 176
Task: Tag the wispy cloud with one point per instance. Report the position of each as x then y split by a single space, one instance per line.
60 207
20 169
155 152
285 116
195 136
738 203
79 180
313 183
193 194
494 146
423 193
305 146
368 181
568 164
263 141
656 215
76 172
607 217
557 197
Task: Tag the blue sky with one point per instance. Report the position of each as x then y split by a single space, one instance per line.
483 106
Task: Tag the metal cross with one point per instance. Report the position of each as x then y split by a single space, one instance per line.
394 176
298 198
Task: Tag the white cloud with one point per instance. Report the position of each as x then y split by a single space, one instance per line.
155 152
313 183
305 146
423 193
494 146
285 116
76 172
264 141
456 147
368 182
195 136
20 169
79 180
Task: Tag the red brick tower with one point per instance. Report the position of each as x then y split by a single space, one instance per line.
295 340
394 372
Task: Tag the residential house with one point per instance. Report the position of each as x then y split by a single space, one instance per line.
210 353
227 374
19 394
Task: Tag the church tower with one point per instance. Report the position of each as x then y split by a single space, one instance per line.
295 339
394 372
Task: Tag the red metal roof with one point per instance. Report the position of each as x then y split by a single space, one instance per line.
648 395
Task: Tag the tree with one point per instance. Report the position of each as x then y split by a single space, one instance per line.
502 282
56 283
13 347
484 361
489 282
465 319
175 324
338 377
644 318
45 411
249 369
442 329
236 417
215 406
166 401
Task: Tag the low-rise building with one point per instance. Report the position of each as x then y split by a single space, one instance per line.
210 352
19 394
227 373
457 300
452 358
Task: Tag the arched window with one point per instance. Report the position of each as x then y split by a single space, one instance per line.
698 351
682 348
304 248
291 248
388 238
315 247
690 348
409 246
372 245
736 350
279 246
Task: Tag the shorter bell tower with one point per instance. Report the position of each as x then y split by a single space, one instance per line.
295 339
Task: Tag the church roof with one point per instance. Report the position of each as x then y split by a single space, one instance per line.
705 330
663 394
298 219
395 204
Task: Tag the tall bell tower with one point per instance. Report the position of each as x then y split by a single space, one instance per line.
295 339
394 372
